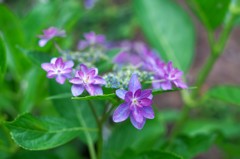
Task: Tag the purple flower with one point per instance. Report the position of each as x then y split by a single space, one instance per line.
50 33
166 76
137 104
59 69
87 78
89 4
91 39
137 54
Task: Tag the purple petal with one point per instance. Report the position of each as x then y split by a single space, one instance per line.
148 112
77 90
43 42
121 93
156 85
137 114
100 39
51 74
128 97
145 102
99 80
60 79
94 90
47 66
66 71
98 90
90 37
137 124
166 85
178 74
137 93
84 68
92 72
61 33
121 113
82 45
69 64
76 81
59 62
134 83
150 97
180 84
169 66
146 93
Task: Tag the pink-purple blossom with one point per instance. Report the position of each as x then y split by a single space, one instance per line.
89 4
49 34
58 69
87 78
91 39
166 76
137 104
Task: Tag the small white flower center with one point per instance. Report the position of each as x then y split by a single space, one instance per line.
85 79
135 101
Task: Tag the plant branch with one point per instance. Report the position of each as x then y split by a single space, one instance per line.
217 48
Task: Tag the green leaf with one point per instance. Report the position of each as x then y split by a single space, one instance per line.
36 57
7 146
169 30
77 112
153 154
191 146
111 96
3 56
13 36
31 93
125 136
229 94
195 127
34 133
35 155
206 11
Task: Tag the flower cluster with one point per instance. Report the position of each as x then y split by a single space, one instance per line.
137 104
85 78
134 64
120 76
49 34
165 75
91 40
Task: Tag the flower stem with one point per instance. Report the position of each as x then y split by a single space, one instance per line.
100 134
88 137
217 48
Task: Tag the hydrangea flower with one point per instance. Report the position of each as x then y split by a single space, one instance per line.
87 78
137 54
137 104
91 39
59 69
166 76
89 4
50 33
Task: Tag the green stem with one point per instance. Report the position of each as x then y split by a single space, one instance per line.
100 135
88 137
217 48
178 125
